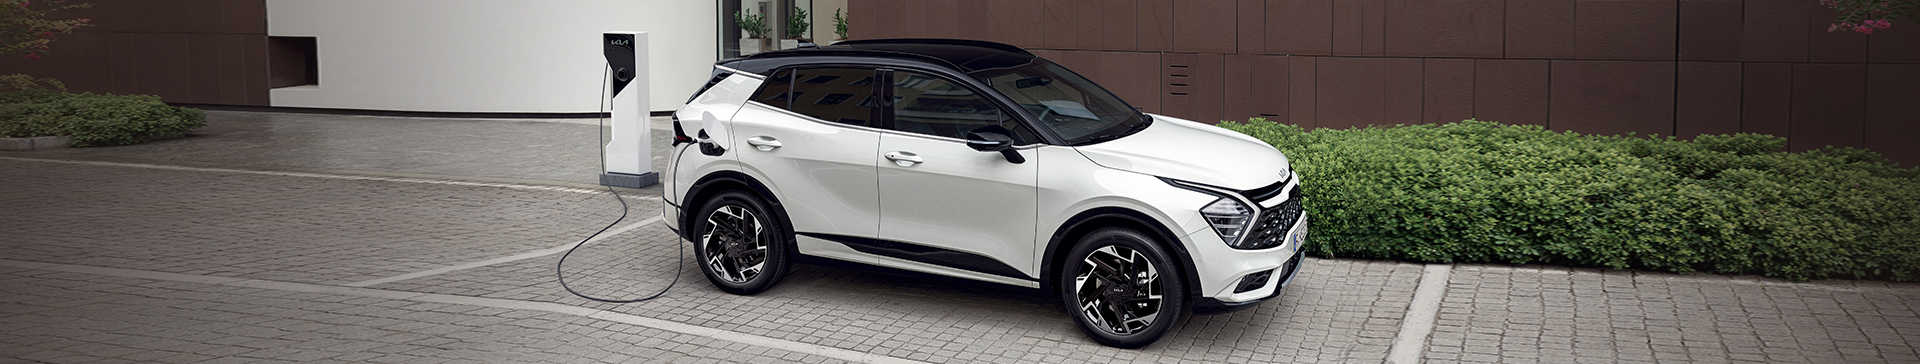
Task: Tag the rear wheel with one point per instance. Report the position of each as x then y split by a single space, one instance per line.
740 247
1121 288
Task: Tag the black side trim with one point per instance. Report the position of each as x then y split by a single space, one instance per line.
925 254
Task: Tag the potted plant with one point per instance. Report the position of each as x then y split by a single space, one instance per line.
839 26
797 25
754 29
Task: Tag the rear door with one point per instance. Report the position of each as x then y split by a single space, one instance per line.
806 134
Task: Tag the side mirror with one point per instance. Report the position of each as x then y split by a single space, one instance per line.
994 138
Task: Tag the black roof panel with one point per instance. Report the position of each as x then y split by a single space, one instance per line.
965 56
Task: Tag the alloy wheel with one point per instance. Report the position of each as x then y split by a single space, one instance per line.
1119 290
735 249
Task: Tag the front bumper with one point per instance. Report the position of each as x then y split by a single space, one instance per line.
1212 306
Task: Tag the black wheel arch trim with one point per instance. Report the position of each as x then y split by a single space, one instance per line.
1055 244
721 181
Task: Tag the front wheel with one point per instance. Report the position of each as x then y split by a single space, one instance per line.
740 247
1121 288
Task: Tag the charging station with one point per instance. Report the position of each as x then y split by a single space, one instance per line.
626 154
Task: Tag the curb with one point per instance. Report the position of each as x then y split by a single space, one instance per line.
34 143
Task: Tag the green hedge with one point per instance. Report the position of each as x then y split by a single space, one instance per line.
93 120
1483 192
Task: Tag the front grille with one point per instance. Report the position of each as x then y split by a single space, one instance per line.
1271 230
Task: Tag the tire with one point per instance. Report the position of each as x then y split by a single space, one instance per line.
1125 313
739 245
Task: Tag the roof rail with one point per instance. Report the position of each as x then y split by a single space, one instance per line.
959 42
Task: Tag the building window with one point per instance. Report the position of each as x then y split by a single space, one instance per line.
782 24
293 61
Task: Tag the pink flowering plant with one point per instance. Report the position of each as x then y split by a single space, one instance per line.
1866 16
26 29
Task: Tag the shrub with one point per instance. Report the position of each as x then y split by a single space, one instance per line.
93 120
1482 192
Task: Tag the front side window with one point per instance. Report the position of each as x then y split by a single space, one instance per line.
930 105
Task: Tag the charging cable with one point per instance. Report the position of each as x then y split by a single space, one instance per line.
559 270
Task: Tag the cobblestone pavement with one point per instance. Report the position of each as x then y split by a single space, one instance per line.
109 262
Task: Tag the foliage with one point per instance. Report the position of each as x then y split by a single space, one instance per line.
798 23
93 120
1477 191
839 25
754 24
1865 16
25 29
21 82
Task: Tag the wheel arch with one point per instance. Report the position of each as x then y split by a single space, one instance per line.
1088 221
722 181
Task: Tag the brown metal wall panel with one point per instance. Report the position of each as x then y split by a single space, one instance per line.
203 69
1131 75
125 64
1837 46
1368 91
1209 93
1251 27
257 74
1891 125
1447 93
1829 106
1088 28
935 19
1179 80
1373 28
108 15
1237 87
1540 29
1774 31
1403 103
860 19
233 69
1899 44
1121 32
1062 32
1456 28
1156 24
1204 26
1711 30
82 62
972 20
1300 27
1268 85
887 20
1612 97
243 16
1766 96
1707 100
1016 22
1626 30
1300 92
1348 27
1510 91
163 64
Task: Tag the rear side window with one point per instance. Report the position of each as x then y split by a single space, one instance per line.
775 92
841 95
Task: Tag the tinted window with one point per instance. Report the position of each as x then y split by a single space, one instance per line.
1073 107
774 91
931 105
841 95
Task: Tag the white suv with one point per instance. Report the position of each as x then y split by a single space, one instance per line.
982 161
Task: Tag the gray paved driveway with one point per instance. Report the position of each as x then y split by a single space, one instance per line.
174 253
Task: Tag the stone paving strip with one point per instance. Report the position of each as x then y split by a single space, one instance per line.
72 313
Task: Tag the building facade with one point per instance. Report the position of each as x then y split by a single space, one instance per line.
1667 67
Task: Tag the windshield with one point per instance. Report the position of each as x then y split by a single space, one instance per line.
1072 107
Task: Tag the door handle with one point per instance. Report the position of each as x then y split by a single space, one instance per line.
763 143
904 159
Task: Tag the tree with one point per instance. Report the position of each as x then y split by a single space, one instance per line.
1865 16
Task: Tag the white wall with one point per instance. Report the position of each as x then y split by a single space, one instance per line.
488 55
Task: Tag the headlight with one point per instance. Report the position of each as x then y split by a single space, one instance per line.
1229 218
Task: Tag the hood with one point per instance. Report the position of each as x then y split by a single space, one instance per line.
1193 152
